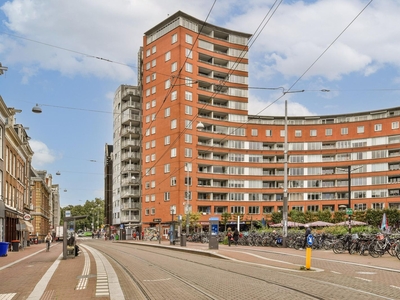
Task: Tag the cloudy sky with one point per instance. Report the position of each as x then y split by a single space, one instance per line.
70 57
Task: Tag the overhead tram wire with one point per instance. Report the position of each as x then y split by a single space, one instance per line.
288 90
238 59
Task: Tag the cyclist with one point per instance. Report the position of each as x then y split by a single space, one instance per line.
48 240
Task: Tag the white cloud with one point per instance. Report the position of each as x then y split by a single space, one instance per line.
42 154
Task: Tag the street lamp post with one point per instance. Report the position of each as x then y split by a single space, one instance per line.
187 199
171 237
285 183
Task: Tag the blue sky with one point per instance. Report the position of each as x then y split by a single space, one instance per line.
49 49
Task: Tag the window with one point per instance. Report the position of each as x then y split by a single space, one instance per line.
188 152
147 78
153 184
167 140
148 52
173 152
344 131
153 210
147 185
188 53
189 67
168 56
153 130
153 62
153 49
153 116
189 39
153 143
395 125
328 131
312 208
153 157
167 112
147 145
313 132
147 131
188 110
378 127
167 168
360 129
297 133
174 38
360 206
188 138
188 124
174 95
147 198
254 210
188 96
174 66
166 196
153 103
173 181
148 66
167 84
147 105
254 132
147 211
147 158
153 76
153 90
268 132
173 124
378 206
147 92
282 133
188 81
148 119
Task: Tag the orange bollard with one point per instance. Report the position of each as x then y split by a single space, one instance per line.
308 258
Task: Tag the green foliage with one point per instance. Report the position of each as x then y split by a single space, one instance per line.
324 215
225 217
297 216
276 217
339 216
94 210
310 216
374 217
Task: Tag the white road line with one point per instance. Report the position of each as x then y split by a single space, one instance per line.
82 284
19 260
41 285
396 287
106 272
334 272
7 296
365 279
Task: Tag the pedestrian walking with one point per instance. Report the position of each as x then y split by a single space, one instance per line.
230 237
142 235
137 235
48 240
236 236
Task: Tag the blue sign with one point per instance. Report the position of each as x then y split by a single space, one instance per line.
310 240
121 226
214 229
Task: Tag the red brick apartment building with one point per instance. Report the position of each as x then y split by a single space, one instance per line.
198 143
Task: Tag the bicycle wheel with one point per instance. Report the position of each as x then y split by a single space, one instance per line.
374 250
338 247
353 248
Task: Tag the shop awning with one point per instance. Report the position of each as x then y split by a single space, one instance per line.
26 226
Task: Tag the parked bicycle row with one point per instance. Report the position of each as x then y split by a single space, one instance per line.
375 245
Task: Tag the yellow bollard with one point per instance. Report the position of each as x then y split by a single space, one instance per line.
308 258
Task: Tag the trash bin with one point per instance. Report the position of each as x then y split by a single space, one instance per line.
15 245
3 248
183 239
28 243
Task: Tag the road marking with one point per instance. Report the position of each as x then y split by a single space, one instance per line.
396 287
366 273
107 280
82 284
334 272
41 285
369 280
7 296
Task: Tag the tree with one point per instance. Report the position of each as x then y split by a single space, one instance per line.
339 216
277 217
325 215
225 217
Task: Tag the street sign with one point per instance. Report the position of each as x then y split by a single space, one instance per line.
67 213
310 240
349 211
157 220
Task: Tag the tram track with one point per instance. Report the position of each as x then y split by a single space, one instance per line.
201 292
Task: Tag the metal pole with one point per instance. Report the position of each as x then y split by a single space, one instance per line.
349 191
285 183
187 200
238 223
